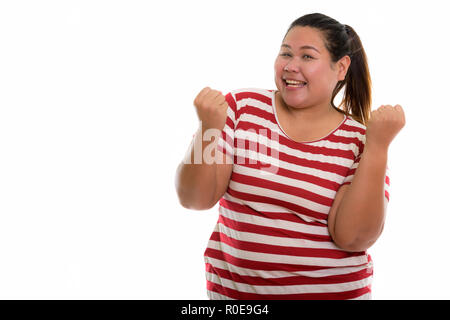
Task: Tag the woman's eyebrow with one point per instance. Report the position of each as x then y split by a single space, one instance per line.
303 47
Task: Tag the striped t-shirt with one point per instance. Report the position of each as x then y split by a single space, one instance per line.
271 240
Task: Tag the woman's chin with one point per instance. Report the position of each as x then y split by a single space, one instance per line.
294 102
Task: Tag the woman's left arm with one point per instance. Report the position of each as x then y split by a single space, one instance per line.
356 218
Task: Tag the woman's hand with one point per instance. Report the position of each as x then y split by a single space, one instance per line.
384 124
211 108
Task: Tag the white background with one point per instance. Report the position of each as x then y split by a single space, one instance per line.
96 112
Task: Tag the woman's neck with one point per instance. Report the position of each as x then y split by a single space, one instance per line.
311 114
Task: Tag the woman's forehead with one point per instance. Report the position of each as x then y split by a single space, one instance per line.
304 36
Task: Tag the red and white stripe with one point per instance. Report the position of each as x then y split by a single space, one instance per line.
271 240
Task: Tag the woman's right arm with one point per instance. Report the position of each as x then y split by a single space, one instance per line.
203 176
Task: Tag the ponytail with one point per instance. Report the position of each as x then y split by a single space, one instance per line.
358 85
342 40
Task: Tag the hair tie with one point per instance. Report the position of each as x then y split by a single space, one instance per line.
347 29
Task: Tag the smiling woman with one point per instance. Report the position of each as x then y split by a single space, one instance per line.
300 229
326 52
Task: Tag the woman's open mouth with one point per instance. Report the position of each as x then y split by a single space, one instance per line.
294 83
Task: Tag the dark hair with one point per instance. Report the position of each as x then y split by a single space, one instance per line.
342 40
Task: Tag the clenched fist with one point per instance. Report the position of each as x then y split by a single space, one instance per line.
384 124
211 108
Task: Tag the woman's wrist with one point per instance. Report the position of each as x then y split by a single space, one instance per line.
376 148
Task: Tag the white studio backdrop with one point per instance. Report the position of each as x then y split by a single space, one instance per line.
96 113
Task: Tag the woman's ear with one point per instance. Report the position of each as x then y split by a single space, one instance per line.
343 65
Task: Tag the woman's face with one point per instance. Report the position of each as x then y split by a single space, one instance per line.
304 73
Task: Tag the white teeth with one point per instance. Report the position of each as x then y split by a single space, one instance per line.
294 82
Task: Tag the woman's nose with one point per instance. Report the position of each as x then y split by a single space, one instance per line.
292 66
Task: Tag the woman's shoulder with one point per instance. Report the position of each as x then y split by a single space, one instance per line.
354 125
251 93
247 98
354 130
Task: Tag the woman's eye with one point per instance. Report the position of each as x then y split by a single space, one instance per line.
305 56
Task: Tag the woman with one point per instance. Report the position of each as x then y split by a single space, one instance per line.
302 183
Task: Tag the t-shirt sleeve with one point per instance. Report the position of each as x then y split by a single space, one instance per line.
226 140
351 173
